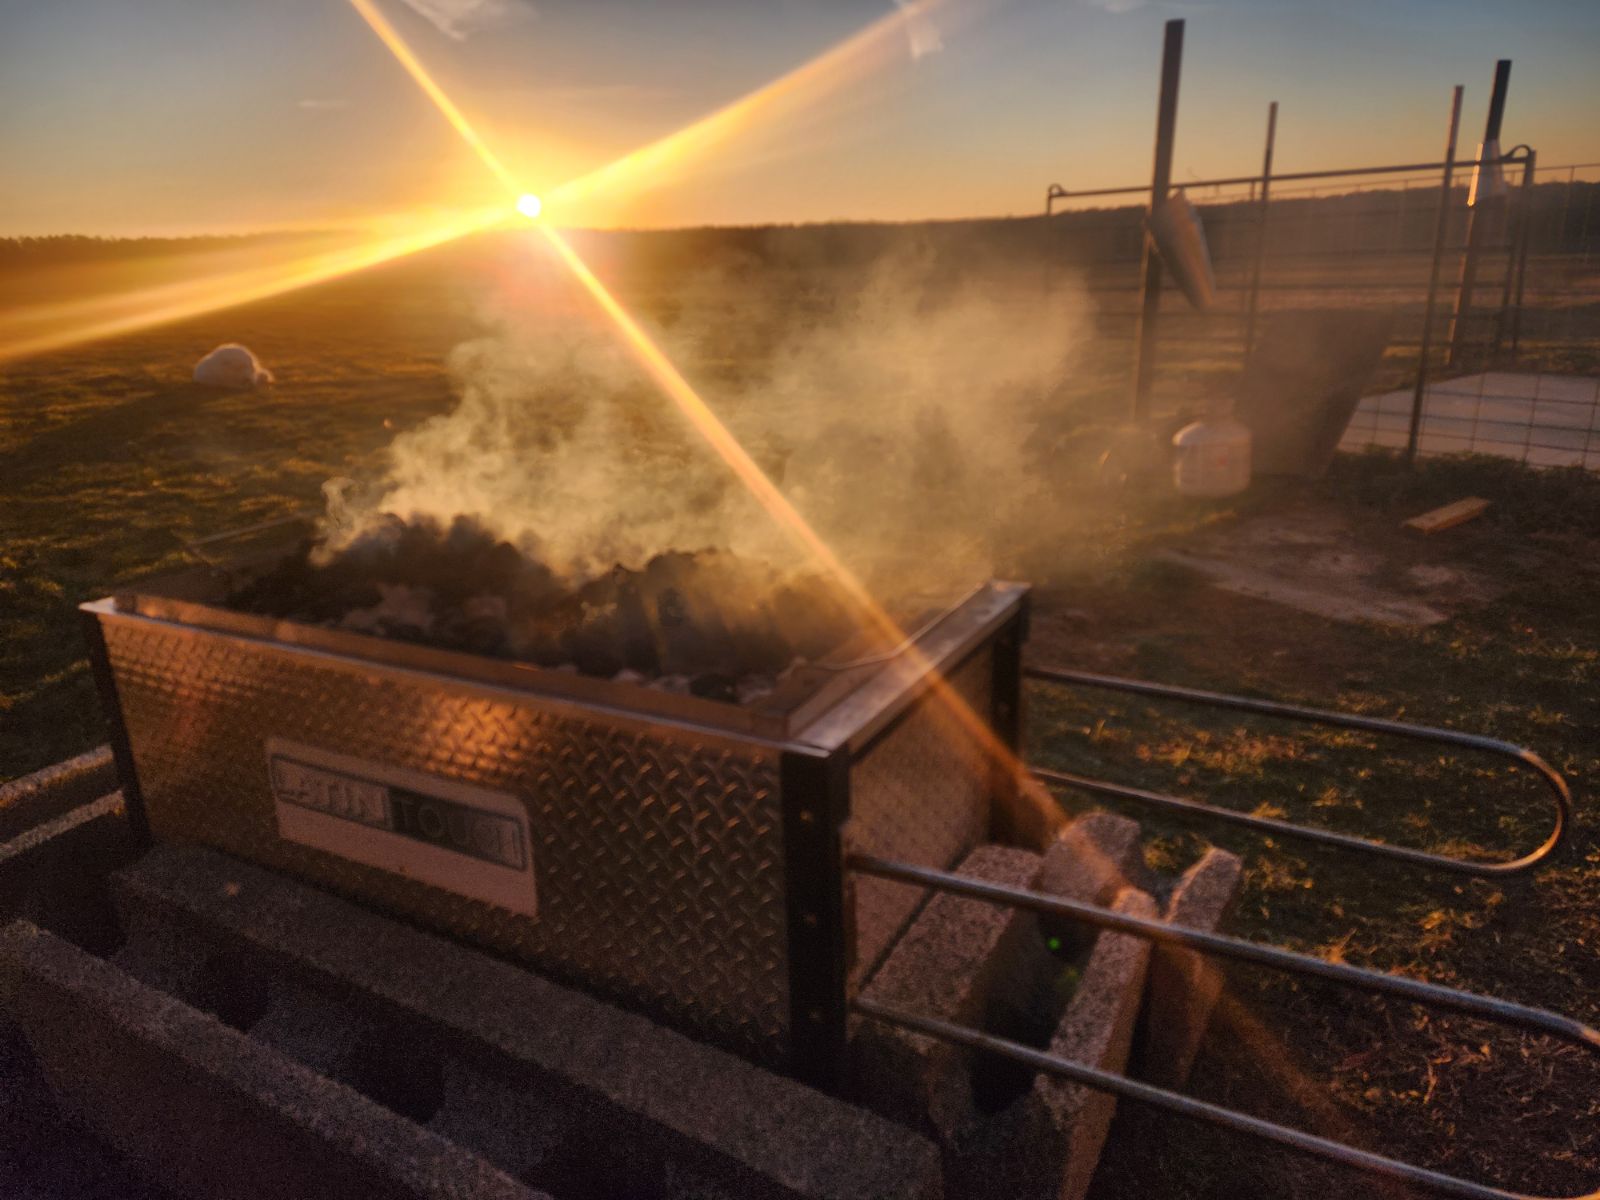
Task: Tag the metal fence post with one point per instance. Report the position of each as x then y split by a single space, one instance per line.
1161 180
1261 232
1522 255
1440 231
1479 216
1516 262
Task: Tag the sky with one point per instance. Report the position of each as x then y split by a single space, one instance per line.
167 117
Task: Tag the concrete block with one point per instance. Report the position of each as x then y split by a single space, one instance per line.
1184 986
169 960
1048 1142
45 795
641 1096
960 960
516 1129
204 1107
1095 857
308 1026
53 873
45 1156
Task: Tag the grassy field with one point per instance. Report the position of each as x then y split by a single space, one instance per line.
110 461
1442 1091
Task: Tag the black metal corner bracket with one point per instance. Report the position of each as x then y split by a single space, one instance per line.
121 747
815 794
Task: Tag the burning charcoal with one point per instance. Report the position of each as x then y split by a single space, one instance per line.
296 588
594 655
714 686
478 625
752 687
705 623
402 612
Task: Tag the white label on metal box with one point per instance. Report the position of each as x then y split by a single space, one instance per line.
467 840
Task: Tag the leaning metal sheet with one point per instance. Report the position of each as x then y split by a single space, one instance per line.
657 850
921 795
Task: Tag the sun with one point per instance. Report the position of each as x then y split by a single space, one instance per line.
529 205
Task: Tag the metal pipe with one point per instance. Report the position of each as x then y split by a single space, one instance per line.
1160 183
1439 235
1261 232
1057 192
1188 1106
1508 282
1524 236
1478 221
1420 991
1318 716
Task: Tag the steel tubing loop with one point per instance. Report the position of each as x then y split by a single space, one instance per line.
1316 716
1488 1008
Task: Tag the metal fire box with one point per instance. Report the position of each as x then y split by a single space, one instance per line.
678 855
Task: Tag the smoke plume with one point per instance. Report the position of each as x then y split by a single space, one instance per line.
892 404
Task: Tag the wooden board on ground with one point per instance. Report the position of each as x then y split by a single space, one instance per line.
1448 516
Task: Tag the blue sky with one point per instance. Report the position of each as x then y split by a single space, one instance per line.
170 116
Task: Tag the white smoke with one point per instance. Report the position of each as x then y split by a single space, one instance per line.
892 408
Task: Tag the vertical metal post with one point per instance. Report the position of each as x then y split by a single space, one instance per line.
1160 182
1524 236
1009 821
121 743
1261 232
1515 245
815 795
1439 233
1481 215
1522 250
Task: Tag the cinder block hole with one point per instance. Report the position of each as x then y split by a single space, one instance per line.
1069 941
388 1069
595 1165
18 1066
1027 1010
230 989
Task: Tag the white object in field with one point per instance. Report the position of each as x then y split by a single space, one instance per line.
1213 458
1488 177
231 366
1180 239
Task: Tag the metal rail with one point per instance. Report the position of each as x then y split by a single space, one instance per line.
1488 1008
1056 192
1316 716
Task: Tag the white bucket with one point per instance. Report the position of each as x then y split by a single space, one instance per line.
1213 458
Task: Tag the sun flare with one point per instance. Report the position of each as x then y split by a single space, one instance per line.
529 206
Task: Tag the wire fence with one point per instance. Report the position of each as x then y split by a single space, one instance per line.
1540 418
1514 365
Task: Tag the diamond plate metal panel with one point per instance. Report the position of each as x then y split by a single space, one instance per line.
921 795
658 848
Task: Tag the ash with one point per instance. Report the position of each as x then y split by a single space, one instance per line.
704 622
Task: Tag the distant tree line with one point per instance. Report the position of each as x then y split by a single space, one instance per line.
1564 218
